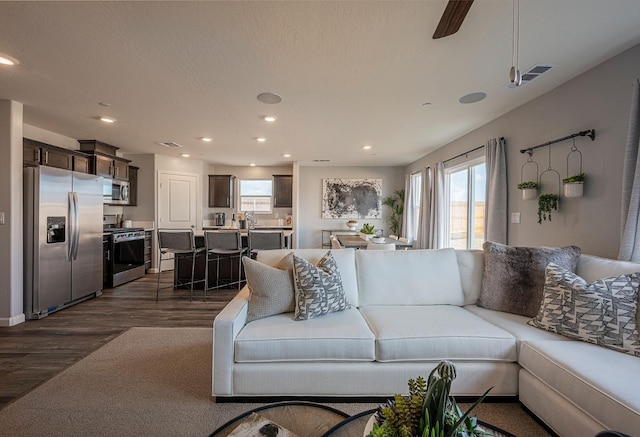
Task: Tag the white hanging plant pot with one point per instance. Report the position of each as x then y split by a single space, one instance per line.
529 193
573 189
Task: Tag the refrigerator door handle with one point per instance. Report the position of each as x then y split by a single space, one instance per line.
71 227
76 226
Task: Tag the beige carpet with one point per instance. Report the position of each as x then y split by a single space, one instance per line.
157 381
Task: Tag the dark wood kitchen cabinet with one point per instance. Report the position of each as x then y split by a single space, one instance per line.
133 185
221 191
38 153
81 164
282 191
104 161
31 152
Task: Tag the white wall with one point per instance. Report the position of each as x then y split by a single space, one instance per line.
146 205
599 99
48 137
310 222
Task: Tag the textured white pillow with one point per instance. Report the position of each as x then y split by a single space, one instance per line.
271 288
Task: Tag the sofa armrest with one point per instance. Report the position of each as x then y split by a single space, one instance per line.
226 327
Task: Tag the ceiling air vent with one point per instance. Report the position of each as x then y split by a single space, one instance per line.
532 73
169 144
321 160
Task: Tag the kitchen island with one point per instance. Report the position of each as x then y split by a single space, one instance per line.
182 270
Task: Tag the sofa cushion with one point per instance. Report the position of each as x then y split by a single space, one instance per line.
471 265
345 259
272 290
603 383
602 312
513 277
318 288
436 332
341 336
409 277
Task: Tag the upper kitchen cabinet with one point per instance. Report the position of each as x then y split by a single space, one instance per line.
104 161
282 191
221 191
133 185
38 153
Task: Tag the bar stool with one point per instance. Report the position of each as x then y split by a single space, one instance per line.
178 244
264 240
224 245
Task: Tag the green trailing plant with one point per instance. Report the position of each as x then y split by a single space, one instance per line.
367 229
577 178
428 411
527 184
546 204
396 203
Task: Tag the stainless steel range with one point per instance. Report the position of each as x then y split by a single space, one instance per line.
124 255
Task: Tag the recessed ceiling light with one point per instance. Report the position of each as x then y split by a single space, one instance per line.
252 165
472 98
8 60
270 118
366 147
206 139
185 155
287 155
261 139
107 119
269 98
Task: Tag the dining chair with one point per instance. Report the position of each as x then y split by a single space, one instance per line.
177 244
264 240
335 244
381 246
221 245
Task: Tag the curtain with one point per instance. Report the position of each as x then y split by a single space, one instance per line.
407 207
431 220
412 206
630 229
496 212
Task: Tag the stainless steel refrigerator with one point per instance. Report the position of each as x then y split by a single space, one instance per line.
62 239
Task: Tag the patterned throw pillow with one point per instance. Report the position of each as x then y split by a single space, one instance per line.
318 288
602 312
271 289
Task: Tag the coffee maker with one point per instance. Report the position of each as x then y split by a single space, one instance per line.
219 218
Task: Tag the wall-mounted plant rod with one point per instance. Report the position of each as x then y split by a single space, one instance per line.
585 133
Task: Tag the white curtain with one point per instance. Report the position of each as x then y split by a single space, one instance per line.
407 207
630 230
431 220
496 212
412 205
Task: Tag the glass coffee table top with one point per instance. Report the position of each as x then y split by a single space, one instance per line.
309 419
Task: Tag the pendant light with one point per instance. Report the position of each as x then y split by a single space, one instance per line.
514 72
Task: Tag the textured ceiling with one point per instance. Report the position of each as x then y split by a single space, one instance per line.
350 73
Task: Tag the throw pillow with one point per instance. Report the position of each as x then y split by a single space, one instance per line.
318 288
271 289
513 278
602 312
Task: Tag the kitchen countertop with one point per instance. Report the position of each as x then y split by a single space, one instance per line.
200 233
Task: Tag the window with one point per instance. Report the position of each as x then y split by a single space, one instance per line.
255 195
413 205
465 192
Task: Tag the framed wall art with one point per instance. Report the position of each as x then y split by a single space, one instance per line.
351 198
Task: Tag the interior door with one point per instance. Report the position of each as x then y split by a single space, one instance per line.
177 201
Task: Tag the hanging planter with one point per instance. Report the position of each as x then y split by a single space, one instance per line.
529 190
546 203
574 185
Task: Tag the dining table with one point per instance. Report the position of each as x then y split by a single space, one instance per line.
357 242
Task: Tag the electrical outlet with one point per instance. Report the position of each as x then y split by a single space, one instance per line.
515 217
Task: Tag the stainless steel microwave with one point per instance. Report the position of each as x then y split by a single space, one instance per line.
115 192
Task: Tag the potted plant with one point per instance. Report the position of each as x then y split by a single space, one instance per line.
574 185
547 203
367 231
396 203
428 411
529 190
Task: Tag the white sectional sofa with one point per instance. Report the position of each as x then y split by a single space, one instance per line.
410 310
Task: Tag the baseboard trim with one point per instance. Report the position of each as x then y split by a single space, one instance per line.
347 399
12 321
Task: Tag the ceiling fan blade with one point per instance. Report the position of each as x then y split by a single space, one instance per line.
452 18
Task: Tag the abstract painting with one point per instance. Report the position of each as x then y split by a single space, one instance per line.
351 198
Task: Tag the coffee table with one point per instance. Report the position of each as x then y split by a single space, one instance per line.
310 419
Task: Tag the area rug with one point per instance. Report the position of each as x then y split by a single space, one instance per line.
157 381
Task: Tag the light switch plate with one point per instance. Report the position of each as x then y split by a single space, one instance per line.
515 217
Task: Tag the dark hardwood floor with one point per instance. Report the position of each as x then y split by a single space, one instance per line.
34 351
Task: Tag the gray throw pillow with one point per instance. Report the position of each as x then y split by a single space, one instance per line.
318 288
271 288
602 312
513 279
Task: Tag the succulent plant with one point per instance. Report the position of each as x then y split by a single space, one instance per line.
576 178
527 184
367 229
546 204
